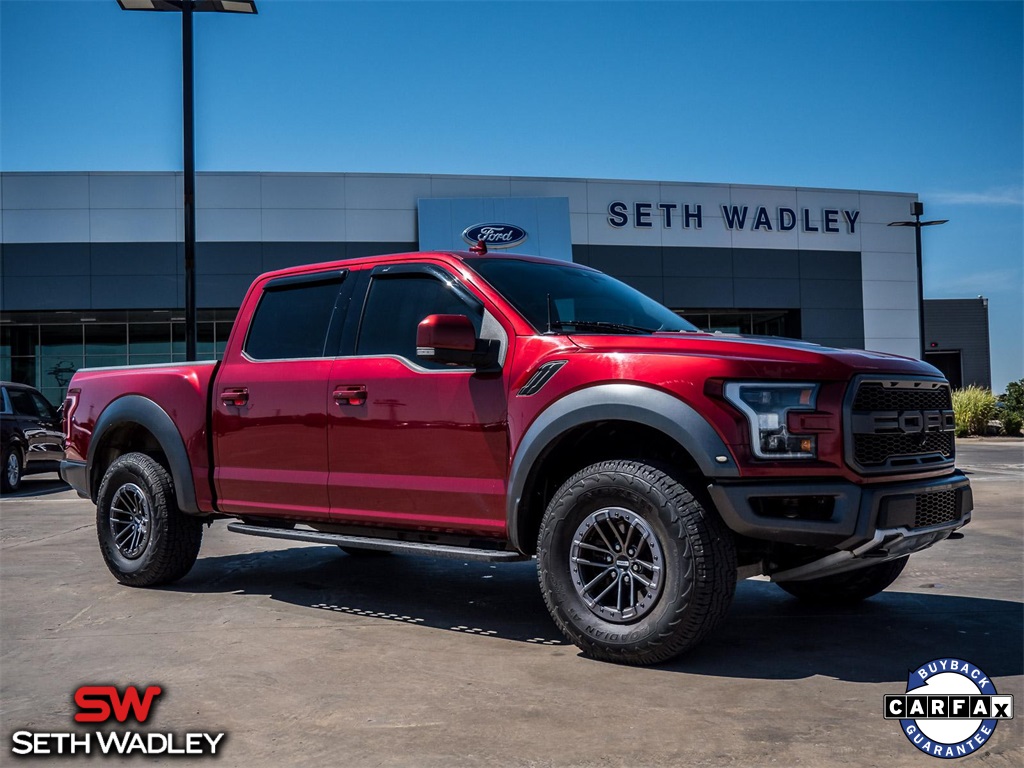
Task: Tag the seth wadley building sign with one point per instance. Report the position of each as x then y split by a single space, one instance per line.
642 215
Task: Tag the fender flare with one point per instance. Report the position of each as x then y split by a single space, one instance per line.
135 409
615 402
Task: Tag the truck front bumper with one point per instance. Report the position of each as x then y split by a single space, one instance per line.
869 523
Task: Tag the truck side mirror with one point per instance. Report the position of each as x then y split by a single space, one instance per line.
451 339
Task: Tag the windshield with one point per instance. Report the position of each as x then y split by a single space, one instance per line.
581 300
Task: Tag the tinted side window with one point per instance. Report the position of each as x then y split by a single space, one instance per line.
292 320
43 406
22 402
396 305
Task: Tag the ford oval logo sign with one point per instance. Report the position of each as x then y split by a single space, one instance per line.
495 235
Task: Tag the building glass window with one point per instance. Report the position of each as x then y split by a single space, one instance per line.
58 357
758 322
34 350
148 339
106 344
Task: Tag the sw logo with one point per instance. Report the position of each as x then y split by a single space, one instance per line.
107 705
98 703
950 708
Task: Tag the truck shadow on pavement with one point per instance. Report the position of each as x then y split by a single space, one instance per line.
767 634
33 486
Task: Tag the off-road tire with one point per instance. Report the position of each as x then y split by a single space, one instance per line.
699 561
141 491
10 484
849 587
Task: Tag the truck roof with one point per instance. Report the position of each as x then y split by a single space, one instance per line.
390 257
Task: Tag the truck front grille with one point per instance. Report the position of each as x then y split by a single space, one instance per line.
876 449
875 396
900 425
935 509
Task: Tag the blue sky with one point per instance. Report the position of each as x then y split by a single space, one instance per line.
922 97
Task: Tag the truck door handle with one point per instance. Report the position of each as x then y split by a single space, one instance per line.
354 394
235 396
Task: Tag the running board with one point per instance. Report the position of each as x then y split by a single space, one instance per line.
387 545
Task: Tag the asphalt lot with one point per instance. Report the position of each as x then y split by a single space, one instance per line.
306 656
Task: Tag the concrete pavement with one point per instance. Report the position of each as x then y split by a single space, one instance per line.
306 656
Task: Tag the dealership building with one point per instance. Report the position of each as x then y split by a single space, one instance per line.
92 263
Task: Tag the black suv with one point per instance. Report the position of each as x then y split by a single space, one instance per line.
31 439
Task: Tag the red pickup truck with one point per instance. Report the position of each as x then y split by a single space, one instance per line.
499 407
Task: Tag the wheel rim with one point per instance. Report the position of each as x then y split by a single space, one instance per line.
616 564
13 470
130 519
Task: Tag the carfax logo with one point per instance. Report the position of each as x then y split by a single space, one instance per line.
102 704
950 708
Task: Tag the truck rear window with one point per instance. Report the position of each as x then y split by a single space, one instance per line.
293 318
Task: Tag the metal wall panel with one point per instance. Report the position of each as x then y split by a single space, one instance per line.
65 225
767 293
131 292
697 292
228 190
228 224
961 324
112 259
132 190
132 225
303 191
46 259
42 191
381 192
702 262
27 293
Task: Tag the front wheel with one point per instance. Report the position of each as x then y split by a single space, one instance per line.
632 567
848 587
146 541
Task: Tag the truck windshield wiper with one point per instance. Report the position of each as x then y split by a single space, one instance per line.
596 325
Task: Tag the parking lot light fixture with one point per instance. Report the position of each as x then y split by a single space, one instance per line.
917 210
186 8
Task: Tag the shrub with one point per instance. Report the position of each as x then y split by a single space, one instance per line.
1014 397
1012 423
973 406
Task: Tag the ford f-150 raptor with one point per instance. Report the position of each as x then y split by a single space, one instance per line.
499 407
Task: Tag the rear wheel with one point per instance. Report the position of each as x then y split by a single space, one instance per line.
632 567
145 539
849 587
10 480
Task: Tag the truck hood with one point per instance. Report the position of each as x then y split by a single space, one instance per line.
763 355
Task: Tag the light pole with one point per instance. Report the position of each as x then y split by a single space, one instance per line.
916 210
186 8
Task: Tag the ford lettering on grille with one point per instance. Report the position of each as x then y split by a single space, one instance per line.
900 425
907 422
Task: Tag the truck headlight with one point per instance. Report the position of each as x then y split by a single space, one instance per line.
766 406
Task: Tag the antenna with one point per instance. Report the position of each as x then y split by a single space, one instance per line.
549 313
